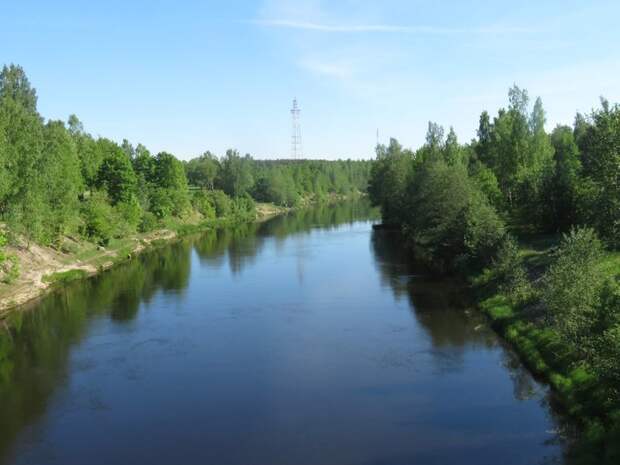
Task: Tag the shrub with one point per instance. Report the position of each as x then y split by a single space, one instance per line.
484 230
148 222
203 204
99 218
607 354
161 204
572 285
244 207
128 215
509 272
221 202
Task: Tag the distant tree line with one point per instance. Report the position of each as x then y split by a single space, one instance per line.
58 180
283 182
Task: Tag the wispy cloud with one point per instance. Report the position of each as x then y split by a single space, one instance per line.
335 70
385 28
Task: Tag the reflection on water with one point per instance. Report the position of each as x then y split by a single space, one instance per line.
304 339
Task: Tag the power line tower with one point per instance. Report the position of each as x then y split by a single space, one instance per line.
296 149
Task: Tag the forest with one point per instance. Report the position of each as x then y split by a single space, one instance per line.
57 180
532 220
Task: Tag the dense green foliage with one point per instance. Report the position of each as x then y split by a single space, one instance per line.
464 208
57 180
283 182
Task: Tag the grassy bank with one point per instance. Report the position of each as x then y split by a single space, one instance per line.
577 373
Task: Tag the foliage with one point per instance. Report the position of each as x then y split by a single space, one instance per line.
388 180
115 175
571 290
221 202
510 274
98 216
9 265
148 222
203 203
599 143
203 171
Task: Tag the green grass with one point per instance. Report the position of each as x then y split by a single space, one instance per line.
64 277
497 308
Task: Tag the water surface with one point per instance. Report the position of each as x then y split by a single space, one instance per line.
307 339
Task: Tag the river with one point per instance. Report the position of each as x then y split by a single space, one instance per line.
306 339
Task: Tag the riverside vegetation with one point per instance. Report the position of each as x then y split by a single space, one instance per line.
68 191
532 221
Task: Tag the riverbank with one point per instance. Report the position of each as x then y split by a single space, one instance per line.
42 268
590 400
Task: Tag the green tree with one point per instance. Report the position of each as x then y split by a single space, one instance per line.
453 153
388 181
600 157
236 174
572 286
15 86
98 217
203 171
169 180
22 143
559 199
115 173
62 182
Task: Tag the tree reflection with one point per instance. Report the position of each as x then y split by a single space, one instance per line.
35 342
441 307
438 304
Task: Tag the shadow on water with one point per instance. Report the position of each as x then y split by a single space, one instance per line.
36 341
444 309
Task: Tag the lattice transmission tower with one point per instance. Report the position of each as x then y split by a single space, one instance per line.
296 148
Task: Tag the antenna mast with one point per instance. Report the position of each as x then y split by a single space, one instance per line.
296 149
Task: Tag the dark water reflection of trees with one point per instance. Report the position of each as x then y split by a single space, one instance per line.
35 343
443 308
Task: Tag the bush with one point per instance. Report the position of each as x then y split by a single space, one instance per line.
99 218
572 285
244 207
607 354
148 222
9 269
484 230
203 204
221 202
128 214
161 203
9 265
509 273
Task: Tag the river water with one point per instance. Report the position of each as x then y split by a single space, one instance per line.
307 339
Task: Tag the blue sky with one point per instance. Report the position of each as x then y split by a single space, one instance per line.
187 76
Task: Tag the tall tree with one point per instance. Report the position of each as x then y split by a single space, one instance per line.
115 174
600 145
62 182
236 174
